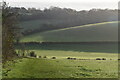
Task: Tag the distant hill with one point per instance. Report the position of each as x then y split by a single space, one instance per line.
34 20
106 31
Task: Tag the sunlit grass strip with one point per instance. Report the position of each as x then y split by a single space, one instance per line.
88 25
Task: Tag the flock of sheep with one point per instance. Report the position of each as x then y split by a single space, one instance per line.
32 54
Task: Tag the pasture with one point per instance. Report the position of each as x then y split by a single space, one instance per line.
107 31
84 66
88 51
63 68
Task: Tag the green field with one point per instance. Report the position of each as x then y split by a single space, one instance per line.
81 50
85 65
63 68
107 31
84 51
101 43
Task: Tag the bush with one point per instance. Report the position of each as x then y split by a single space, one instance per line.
32 54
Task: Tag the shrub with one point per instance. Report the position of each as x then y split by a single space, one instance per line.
32 54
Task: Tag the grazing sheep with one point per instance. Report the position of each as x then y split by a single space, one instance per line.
74 58
68 58
53 57
45 57
103 58
37 56
80 59
71 58
40 56
118 59
98 59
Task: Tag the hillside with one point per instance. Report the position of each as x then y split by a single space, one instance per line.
106 31
35 20
37 24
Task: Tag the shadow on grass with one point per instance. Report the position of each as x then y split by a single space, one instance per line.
104 47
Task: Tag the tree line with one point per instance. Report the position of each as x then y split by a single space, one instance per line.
67 17
83 16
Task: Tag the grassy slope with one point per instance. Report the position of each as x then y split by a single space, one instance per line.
106 31
81 55
35 24
91 51
63 68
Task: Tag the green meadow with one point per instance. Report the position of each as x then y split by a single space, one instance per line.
84 64
63 68
106 31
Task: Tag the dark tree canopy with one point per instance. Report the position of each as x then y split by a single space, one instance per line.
64 17
9 20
